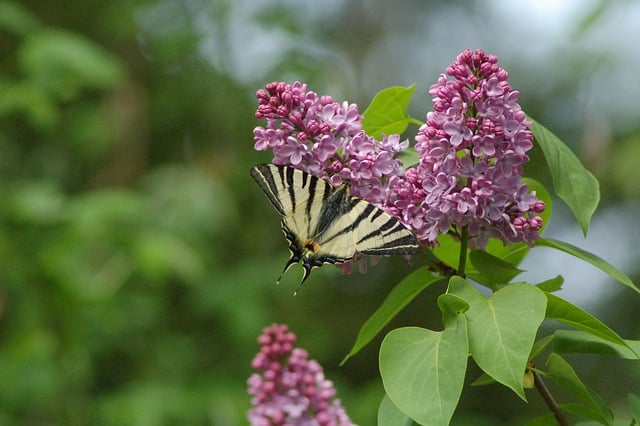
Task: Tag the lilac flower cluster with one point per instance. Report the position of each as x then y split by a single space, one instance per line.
471 153
325 138
291 389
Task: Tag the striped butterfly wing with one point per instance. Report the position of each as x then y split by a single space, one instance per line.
299 197
324 224
376 232
290 190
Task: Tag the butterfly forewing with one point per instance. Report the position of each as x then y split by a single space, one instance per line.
289 189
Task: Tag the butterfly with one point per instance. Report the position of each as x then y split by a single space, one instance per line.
325 224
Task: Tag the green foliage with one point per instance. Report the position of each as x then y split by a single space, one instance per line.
423 370
403 293
110 249
572 341
64 64
388 414
387 112
561 310
15 19
546 420
574 184
591 258
589 403
634 405
502 329
492 271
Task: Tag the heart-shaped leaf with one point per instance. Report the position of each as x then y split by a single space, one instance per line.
423 370
502 329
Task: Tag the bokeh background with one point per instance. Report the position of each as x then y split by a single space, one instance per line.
138 258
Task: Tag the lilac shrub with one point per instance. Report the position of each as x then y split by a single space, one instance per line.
290 389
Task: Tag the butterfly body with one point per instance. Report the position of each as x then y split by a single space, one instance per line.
325 224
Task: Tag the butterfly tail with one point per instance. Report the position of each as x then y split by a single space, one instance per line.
292 260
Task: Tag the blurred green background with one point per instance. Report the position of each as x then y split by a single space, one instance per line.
138 258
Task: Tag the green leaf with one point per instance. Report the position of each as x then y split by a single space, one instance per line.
591 258
582 410
634 406
450 304
540 345
388 414
512 253
593 407
574 184
398 298
552 284
423 370
492 271
448 250
573 341
483 380
409 157
387 112
502 329
560 310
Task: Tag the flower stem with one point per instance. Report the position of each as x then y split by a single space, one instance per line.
415 121
548 399
462 262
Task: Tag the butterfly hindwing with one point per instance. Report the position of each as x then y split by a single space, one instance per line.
324 224
331 228
379 233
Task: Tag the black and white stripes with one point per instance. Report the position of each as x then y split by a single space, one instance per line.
325 224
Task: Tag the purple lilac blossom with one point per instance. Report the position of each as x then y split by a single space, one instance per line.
290 388
325 138
471 153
